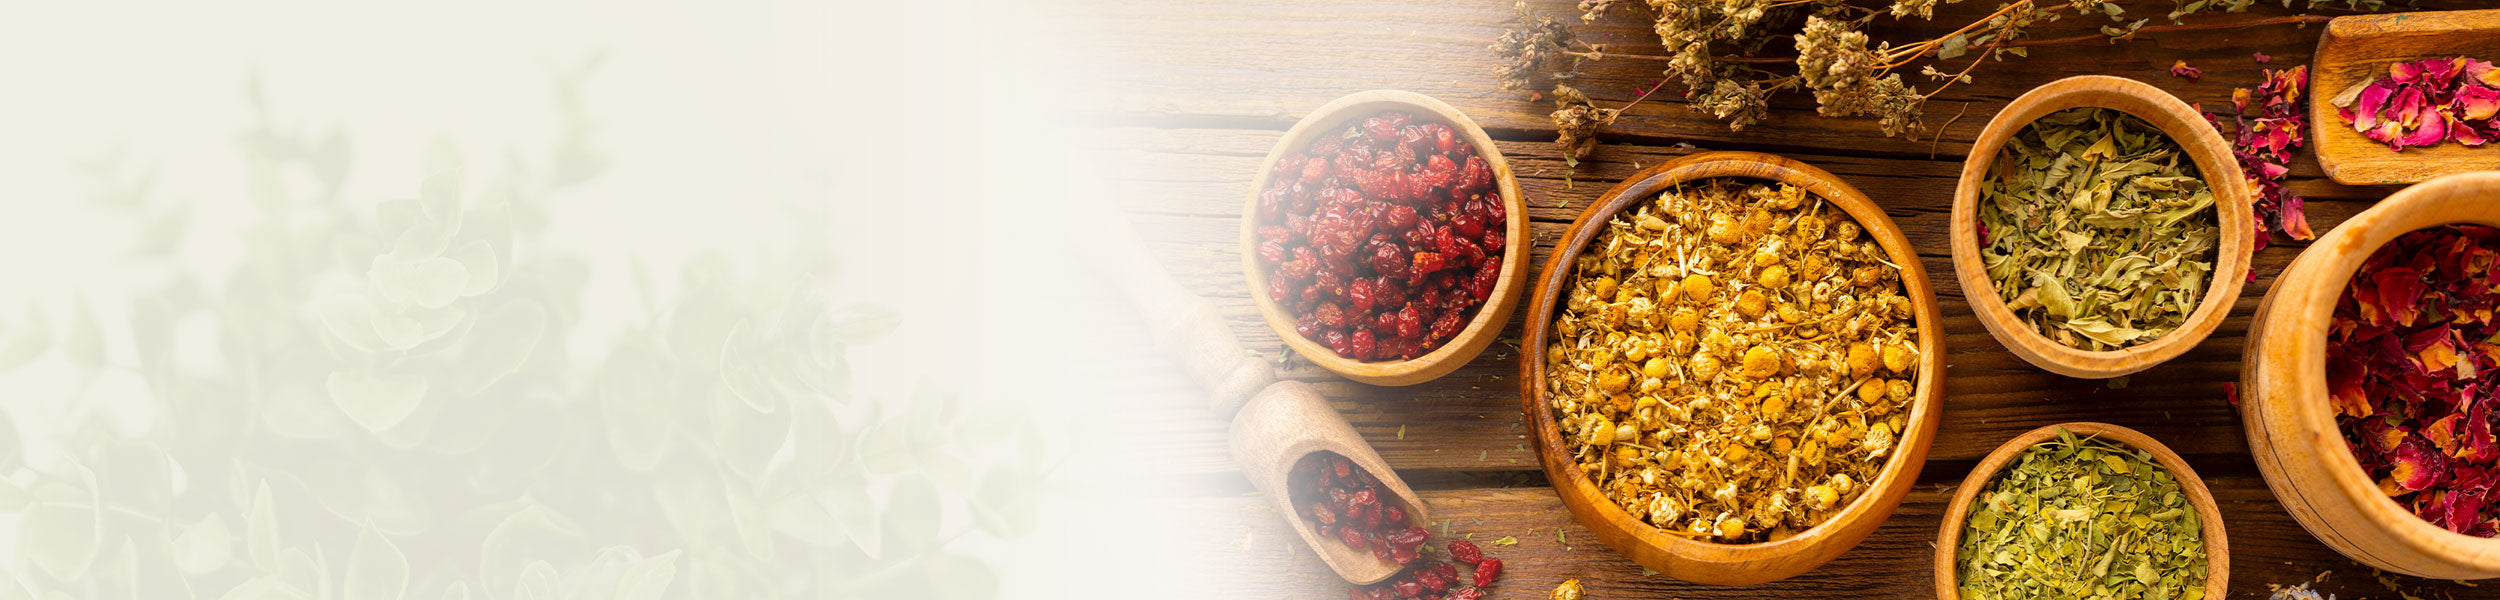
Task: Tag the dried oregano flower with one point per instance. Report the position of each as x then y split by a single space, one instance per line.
1834 60
1735 360
1577 120
1533 49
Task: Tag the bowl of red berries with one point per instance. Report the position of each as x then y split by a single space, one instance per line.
1385 239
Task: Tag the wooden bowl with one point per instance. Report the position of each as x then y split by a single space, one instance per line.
2283 392
2213 159
1714 563
1949 540
1481 331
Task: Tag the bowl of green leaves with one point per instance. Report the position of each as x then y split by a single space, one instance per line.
2101 226
2082 510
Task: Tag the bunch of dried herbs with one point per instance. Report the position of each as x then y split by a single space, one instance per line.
2417 373
1717 48
1735 360
2082 518
2097 229
2271 121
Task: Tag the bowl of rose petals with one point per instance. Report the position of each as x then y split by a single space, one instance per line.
1384 237
2369 385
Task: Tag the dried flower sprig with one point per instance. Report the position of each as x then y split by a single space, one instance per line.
1540 51
1714 47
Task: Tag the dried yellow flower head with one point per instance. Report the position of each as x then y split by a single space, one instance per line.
1697 288
1568 590
1715 368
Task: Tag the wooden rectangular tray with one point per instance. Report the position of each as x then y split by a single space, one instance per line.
2358 47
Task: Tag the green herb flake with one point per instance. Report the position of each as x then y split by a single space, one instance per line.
1506 541
2097 229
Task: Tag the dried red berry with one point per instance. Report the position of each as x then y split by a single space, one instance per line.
1466 594
1466 552
1487 571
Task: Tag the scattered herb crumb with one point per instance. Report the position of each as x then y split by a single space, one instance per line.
1506 541
1401 432
1648 572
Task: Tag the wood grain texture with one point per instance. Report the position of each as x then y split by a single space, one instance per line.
2213 532
1330 119
1180 99
1696 560
2357 49
2290 420
2195 137
1896 562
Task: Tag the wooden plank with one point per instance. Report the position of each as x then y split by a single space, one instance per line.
1263 64
1184 188
1263 560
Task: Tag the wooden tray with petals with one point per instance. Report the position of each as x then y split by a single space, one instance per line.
2356 48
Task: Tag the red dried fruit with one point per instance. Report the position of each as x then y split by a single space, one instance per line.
1408 588
1410 538
1466 594
1427 262
1432 580
1487 571
1466 552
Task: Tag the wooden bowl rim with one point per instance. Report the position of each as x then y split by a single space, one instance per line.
1489 318
1949 536
2214 162
1872 505
2341 251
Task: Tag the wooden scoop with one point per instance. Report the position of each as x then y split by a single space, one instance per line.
1274 423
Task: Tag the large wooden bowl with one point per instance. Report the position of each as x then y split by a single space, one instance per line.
2283 392
1706 562
2213 159
1487 324
1949 540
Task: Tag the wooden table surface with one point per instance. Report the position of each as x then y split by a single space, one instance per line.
1184 97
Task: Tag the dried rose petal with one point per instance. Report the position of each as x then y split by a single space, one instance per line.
2181 69
2373 102
2404 72
2417 466
2475 103
2460 132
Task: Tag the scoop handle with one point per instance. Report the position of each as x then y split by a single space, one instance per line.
1182 323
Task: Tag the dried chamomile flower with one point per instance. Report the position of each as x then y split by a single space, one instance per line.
1723 376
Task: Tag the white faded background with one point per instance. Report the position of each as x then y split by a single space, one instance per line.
476 299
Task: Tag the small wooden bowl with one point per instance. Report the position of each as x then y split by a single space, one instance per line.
2213 159
1706 562
2284 402
1482 330
1949 541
